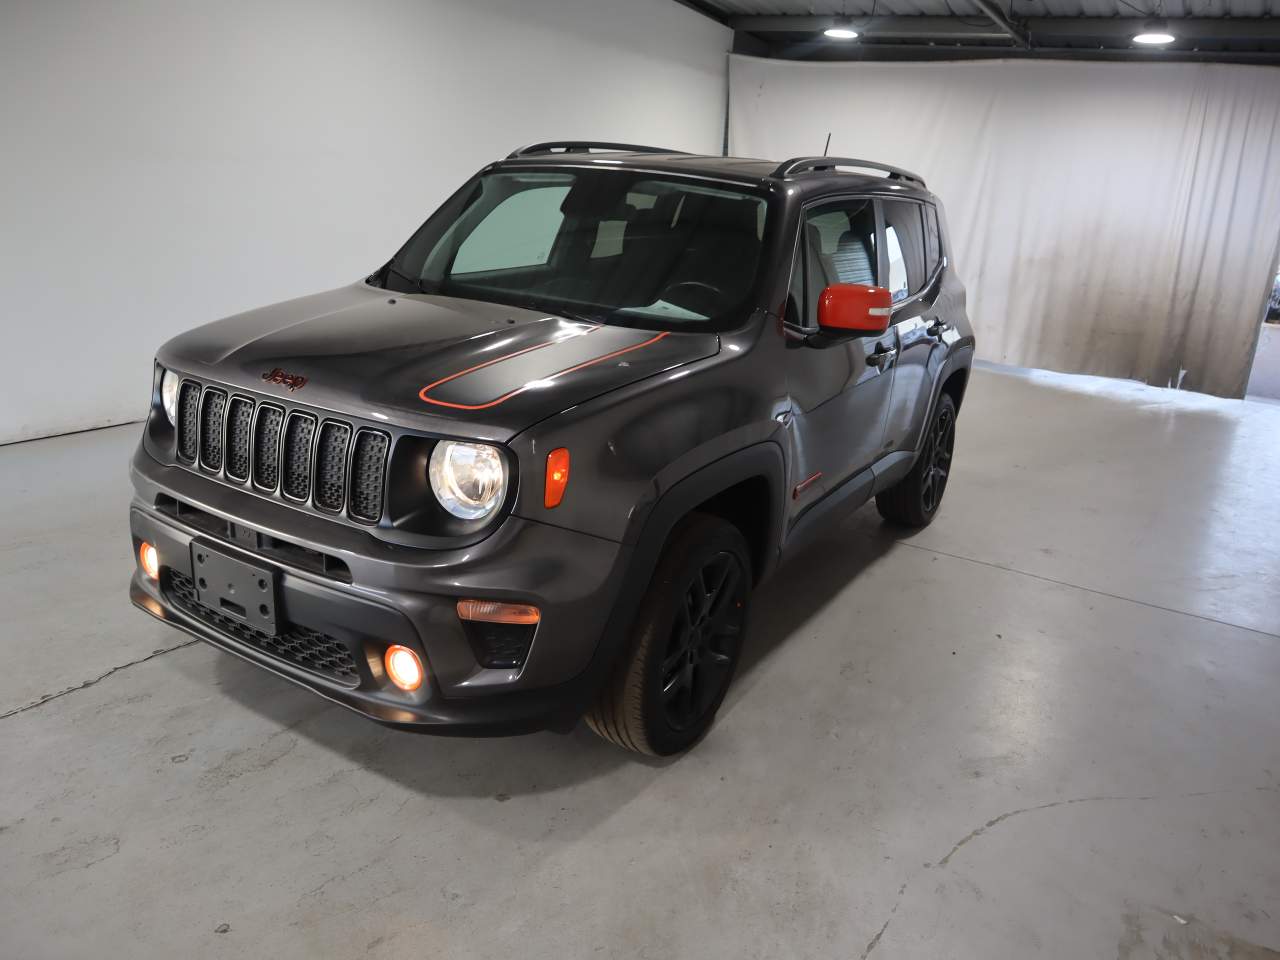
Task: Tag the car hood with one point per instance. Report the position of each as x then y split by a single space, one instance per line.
439 364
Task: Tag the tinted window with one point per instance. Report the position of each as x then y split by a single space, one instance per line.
904 244
932 240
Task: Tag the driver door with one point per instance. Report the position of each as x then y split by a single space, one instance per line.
841 390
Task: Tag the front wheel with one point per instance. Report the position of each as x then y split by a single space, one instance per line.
914 499
685 643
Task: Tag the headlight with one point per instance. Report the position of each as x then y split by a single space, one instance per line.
169 384
469 479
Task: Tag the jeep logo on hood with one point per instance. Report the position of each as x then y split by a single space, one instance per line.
291 380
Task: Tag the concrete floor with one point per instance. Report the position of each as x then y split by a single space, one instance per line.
1045 726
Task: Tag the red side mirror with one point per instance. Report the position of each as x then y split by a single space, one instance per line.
854 308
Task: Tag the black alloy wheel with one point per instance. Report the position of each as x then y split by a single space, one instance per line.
914 500
704 640
665 690
937 456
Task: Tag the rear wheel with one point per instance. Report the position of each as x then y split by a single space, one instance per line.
685 643
914 499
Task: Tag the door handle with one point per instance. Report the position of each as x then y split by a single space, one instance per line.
937 328
882 357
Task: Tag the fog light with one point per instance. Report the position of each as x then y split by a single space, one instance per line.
150 560
403 667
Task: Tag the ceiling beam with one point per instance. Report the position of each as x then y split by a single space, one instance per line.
901 28
832 53
997 16
1038 29
1184 28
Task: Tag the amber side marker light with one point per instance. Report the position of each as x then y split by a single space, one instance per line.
490 611
149 560
557 477
403 667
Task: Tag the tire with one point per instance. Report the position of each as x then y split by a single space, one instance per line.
686 640
914 500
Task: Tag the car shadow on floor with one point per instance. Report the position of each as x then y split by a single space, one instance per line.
516 766
805 584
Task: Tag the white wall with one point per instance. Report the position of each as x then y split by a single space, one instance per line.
163 164
1120 219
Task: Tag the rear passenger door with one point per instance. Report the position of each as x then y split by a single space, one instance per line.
840 392
913 267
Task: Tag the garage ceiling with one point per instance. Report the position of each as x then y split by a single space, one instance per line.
1239 31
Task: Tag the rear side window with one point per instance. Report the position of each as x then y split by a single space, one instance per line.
904 244
932 240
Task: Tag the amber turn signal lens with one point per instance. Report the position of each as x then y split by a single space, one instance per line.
149 560
489 611
403 667
557 477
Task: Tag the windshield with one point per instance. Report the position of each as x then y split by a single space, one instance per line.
625 248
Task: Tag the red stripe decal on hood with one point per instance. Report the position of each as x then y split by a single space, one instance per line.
507 396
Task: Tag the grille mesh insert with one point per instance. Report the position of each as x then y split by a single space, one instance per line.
302 646
266 447
368 471
188 417
212 407
239 425
296 477
331 464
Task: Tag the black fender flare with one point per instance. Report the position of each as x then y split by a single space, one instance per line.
960 358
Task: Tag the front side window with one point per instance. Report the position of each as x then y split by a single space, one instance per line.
840 246
610 245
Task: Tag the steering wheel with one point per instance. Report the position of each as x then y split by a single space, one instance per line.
700 295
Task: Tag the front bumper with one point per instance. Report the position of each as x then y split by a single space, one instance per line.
389 594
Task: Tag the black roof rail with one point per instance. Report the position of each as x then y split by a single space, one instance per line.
585 146
804 164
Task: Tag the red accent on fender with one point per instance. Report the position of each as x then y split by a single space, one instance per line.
804 485
422 394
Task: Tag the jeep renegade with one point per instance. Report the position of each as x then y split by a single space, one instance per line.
532 468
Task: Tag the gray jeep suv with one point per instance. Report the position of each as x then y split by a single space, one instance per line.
532 468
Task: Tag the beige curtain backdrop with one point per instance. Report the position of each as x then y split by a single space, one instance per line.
1120 219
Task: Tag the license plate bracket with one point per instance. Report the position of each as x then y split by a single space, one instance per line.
234 588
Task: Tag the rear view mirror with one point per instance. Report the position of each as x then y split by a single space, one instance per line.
854 308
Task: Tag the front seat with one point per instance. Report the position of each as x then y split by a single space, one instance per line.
852 259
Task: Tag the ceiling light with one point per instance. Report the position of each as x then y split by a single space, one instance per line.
1155 33
841 30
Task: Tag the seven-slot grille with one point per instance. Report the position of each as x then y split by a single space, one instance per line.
329 464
